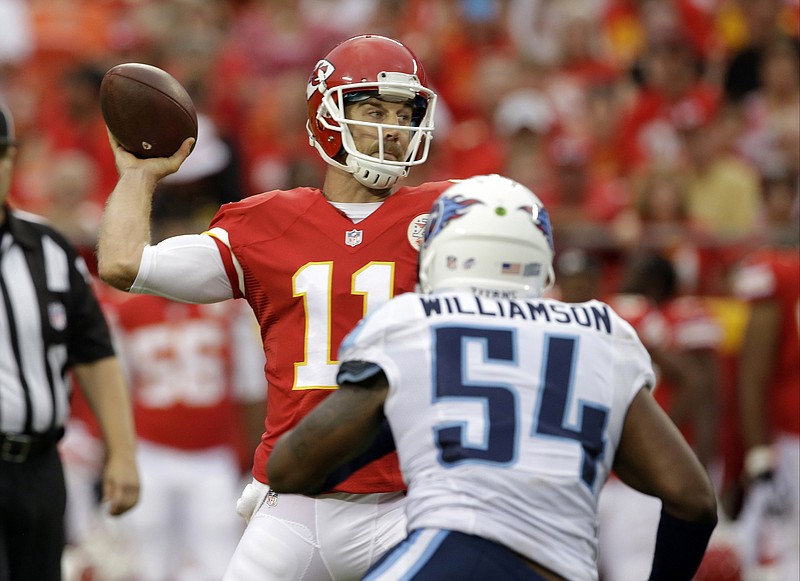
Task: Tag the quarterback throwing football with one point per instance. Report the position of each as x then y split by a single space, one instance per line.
310 263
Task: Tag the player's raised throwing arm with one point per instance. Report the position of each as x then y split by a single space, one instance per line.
125 226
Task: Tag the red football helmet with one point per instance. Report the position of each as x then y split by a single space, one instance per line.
368 64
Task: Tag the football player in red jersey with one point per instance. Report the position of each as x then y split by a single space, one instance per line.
769 410
682 338
193 370
310 263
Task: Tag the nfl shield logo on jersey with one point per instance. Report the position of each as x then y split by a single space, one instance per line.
57 314
353 237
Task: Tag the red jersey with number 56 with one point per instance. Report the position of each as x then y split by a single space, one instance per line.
190 366
310 274
774 275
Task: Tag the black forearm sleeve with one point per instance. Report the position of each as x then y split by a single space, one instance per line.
680 546
381 445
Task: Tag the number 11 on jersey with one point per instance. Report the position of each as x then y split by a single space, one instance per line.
314 283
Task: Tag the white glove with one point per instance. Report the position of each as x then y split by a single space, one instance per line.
252 498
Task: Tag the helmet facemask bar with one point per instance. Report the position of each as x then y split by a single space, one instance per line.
331 116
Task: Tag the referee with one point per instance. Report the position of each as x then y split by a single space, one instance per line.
50 324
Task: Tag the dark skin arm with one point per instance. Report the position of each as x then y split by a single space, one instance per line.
693 375
654 458
104 387
339 429
757 359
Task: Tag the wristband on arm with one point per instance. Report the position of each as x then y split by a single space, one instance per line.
680 546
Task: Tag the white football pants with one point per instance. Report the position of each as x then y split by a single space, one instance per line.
184 526
331 537
627 525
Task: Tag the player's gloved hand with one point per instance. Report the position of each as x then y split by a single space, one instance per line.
252 498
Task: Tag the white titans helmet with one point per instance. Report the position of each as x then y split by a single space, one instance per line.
488 234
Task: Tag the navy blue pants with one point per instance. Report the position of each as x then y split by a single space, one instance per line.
434 555
32 504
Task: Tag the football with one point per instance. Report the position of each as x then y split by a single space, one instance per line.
147 110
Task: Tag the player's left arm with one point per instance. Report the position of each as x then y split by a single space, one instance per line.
758 352
340 429
106 391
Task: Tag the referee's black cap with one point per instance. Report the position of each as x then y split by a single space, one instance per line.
7 136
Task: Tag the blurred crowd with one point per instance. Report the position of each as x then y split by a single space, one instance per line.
646 126
671 123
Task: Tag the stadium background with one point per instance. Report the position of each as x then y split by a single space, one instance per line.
670 125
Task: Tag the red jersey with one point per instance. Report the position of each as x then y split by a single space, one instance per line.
774 275
681 324
310 274
189 366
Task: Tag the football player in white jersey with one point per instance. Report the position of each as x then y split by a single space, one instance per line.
508 410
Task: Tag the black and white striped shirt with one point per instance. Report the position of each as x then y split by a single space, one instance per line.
49 321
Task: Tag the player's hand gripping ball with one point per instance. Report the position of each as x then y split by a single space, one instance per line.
147 110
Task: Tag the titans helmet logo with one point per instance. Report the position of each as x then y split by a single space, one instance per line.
445 210
541 219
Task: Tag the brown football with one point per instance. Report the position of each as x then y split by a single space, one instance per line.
147 110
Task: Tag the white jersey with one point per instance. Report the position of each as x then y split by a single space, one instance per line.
506 414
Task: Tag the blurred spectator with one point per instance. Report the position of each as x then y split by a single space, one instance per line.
579 195
268 37
779 222
471 146
345 17
771 135
630 25
275 150
723 189
623 32
763 20
602 128
474 59
659 219
578 276
525 121
538 28
672 90
70 120
582 205
16 34
585 89
70 185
